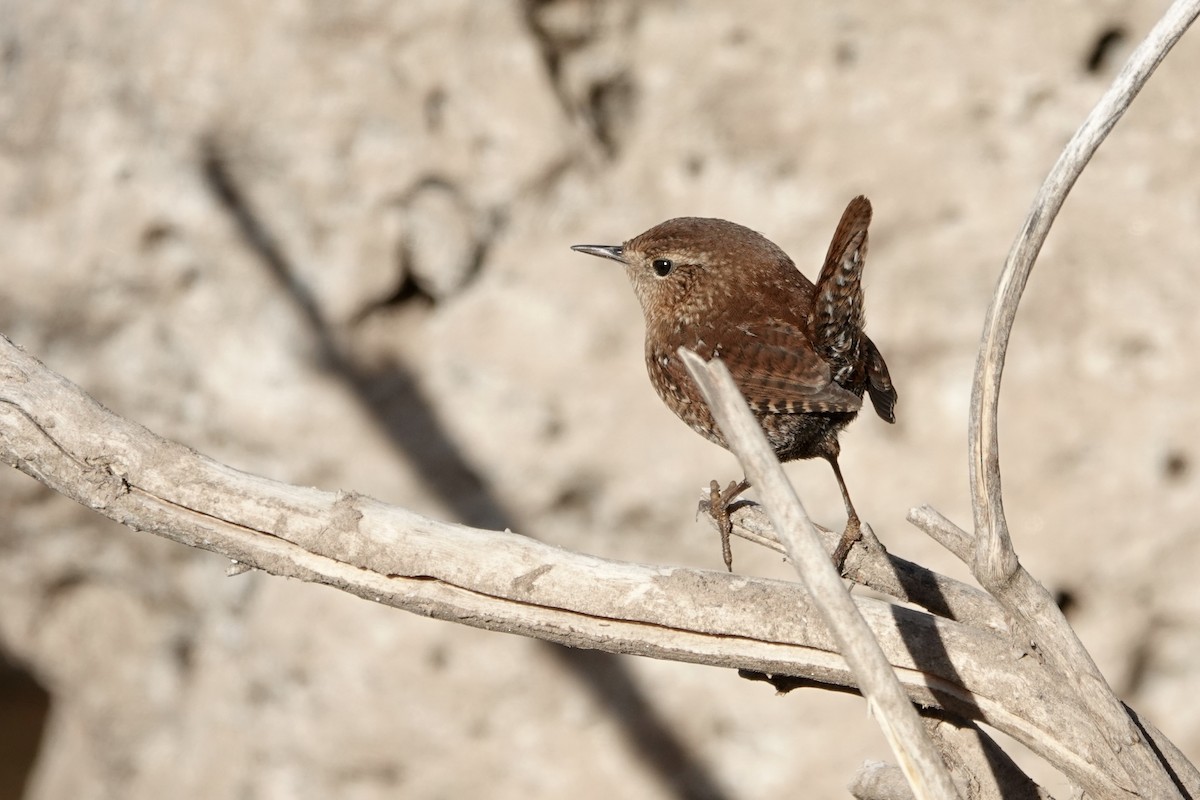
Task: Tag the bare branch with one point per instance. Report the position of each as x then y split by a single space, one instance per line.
994 562
892 708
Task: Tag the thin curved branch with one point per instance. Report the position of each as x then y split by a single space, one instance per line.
994 562
994 556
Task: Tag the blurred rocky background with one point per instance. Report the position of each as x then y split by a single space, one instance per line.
327 242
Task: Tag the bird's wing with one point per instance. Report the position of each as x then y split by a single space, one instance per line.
879 383
778 371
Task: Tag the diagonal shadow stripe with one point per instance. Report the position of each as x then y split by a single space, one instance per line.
394 399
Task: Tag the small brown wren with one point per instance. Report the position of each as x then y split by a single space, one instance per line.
797 351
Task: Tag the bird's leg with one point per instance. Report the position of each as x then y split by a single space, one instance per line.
718 506
853 531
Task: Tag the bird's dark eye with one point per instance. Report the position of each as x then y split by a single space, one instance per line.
663 267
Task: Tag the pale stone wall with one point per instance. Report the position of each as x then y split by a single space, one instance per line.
328 243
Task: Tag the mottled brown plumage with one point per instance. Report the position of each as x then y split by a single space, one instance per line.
797 351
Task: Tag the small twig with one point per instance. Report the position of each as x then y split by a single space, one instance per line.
893 710
943 531
994 562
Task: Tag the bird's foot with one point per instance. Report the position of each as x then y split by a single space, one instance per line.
850 537
718 505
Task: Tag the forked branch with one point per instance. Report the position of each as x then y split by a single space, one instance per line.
53 431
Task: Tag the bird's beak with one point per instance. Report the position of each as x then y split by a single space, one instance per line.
613 251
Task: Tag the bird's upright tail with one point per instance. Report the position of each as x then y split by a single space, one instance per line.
837 315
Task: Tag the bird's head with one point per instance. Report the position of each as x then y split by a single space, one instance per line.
688 264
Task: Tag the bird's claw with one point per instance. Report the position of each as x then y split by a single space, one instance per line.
717 506
851 536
